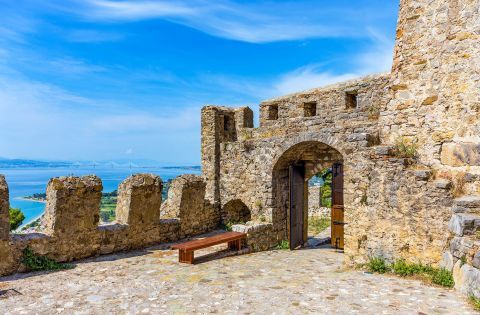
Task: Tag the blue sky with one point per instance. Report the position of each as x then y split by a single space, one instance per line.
104 79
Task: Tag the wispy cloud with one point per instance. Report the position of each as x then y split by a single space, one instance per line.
377 57
308 77
250 22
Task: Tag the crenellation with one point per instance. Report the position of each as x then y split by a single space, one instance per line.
139 200
73 205
4 210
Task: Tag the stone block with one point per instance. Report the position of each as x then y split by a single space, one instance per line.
4 209
467 279
422 174
464 224
443 184
73 205
447 261
139 200
476 260
460 154
384 150
467 202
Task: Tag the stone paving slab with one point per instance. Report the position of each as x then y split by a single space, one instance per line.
309 281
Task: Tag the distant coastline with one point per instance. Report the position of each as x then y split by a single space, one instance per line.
40 200
132 164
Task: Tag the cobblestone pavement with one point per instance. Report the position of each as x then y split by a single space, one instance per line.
276 282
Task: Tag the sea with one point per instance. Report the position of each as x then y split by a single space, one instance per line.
23 182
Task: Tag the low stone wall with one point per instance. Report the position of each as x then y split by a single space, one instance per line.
70 226
315 208
260 236
462 256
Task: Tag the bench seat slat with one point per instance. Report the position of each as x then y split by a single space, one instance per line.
210 241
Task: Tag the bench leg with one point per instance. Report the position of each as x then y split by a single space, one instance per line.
235 245
185 256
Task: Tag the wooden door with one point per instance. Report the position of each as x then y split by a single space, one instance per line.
297 190
337 207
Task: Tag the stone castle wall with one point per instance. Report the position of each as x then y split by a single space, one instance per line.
396 206
70 226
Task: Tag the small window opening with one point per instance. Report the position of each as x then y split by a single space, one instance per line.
351 100
310 109
272 112
227 123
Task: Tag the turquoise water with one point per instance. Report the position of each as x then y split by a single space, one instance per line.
27 181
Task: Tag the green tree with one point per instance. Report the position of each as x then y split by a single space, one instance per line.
16 218
326 188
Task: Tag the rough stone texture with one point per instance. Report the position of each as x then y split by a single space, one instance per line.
315 208
260 236
278 282
140 199
461 154
4 210
464 224
467 279
73 205
71 229
394 207
186 201
447 261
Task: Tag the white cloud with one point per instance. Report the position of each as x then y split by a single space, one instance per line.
250 22
306 78
137 10
376 58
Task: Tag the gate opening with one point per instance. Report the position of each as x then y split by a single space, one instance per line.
300 164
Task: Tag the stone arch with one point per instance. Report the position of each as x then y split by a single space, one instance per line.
236 211
315 155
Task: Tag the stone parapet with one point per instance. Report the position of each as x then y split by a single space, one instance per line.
70 226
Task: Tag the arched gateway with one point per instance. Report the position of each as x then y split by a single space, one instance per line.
290 192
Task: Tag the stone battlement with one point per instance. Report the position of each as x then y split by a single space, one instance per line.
70 226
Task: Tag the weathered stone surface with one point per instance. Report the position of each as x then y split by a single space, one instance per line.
447 261
187 202
423 174
476 260
468 202
73 205
315 208
260 236
139 200
461 154
464 224
4 210
384 150
467 279
443 184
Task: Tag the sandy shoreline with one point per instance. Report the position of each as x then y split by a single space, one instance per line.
29 199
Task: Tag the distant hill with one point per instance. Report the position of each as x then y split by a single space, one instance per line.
16 163
121 163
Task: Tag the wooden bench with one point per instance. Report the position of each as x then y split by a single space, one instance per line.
234 240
